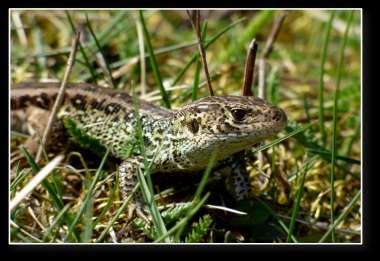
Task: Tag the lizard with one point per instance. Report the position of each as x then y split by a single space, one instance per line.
175 140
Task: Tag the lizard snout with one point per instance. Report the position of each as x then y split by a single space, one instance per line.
278 115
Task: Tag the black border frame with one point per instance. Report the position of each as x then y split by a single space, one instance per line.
255 251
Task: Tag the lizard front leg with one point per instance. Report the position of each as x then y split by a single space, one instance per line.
128 179
233 170
239 180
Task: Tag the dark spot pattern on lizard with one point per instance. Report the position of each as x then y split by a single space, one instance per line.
112 108
23 101
41 101
97 105
79 101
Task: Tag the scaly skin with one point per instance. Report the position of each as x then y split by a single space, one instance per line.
180 140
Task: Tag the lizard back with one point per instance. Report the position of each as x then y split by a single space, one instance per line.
105 115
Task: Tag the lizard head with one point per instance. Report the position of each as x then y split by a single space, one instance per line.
228 123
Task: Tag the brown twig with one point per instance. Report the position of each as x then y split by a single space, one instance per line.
261 91
195 23
249 69
249 74
272 38
58 100
274 33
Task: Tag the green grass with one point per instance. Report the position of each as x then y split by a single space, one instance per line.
198 192
88 198
313 74
341 217
153 63
106 67
334 133
81 49
322 128
298 198
145 178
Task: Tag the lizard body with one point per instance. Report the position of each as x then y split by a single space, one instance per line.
176 140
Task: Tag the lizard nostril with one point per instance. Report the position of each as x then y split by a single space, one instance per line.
278 115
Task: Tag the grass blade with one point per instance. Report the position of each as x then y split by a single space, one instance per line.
185 219
117 214
273 86
195 89
87 197
153 63
19 229
298 197
109 30
194 94
326 154
278 219
20 176
198 192
145 178
103 62
342 216
252 28
108 205
37 179
81 49
336 99
322 128
55 222
207 44
279 140
57 200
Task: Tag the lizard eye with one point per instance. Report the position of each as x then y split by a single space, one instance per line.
239 114
193 125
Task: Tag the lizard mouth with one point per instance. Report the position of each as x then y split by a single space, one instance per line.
268 128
